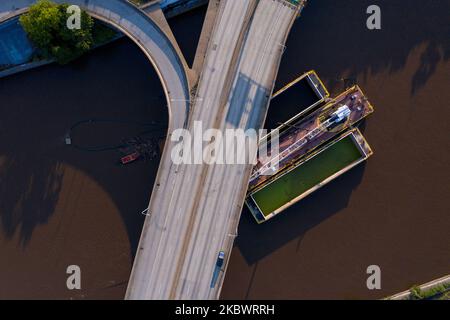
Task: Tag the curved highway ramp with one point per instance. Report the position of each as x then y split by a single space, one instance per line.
135 24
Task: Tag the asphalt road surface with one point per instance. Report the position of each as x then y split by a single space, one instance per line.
194 215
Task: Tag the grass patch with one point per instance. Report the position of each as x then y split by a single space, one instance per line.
307 175
418 294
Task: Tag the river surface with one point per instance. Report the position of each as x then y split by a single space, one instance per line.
62 206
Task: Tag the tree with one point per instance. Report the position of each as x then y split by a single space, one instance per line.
46 26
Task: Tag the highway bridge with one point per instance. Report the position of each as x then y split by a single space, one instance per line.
194 210
195 213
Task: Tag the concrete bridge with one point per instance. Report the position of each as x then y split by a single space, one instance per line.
194 210
194 213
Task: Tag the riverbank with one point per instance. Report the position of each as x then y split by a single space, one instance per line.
20 55
438 289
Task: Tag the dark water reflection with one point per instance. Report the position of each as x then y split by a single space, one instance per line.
318 248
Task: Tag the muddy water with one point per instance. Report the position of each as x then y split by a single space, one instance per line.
61 206
393 211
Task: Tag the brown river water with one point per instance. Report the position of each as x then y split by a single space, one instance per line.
61 206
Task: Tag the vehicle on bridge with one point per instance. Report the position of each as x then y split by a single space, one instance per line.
217 268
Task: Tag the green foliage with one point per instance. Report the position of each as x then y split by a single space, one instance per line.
418 294
46 26
102 34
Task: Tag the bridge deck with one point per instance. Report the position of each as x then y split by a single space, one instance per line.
196 215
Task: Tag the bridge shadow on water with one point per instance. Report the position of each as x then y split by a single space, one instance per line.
29 189
37 169
33 155
330 37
